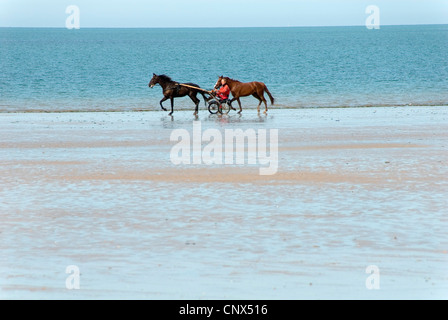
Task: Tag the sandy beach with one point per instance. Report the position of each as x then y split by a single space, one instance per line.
355 187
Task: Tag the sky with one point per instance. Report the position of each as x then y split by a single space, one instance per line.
225 13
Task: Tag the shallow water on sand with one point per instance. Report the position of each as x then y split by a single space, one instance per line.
354 188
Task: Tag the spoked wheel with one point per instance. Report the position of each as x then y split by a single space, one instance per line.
225 108
213 107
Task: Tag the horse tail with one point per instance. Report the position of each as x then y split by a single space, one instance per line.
269 94
205 98
197 89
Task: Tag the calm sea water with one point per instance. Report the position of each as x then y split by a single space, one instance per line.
109 69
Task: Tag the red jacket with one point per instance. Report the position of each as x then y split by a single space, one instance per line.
224 92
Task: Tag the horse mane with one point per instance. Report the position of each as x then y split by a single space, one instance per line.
165 78
233 80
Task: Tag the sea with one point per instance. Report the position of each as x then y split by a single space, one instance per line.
62 70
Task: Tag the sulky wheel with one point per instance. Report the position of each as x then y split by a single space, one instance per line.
225 108
213 107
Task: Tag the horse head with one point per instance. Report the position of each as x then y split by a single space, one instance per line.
218 83
154 81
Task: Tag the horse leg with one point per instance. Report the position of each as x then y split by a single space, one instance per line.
161 103
265 104
231 101
256 96
196 102
262 99
239 103
172 106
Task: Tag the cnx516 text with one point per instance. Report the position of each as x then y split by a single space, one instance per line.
245 309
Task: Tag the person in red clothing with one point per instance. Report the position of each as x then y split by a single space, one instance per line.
224 92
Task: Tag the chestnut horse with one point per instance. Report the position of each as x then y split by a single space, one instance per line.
240 89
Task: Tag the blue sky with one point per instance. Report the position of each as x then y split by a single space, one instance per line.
212 13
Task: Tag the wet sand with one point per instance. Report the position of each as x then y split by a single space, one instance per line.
355 187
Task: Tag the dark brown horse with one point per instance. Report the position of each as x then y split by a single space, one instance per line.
240 89
172 89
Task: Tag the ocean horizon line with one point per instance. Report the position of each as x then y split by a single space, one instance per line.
225 27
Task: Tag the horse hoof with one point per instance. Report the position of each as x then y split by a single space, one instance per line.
170 114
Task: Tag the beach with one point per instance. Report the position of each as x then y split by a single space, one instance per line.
356 189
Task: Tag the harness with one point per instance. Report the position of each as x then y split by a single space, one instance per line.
175 87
